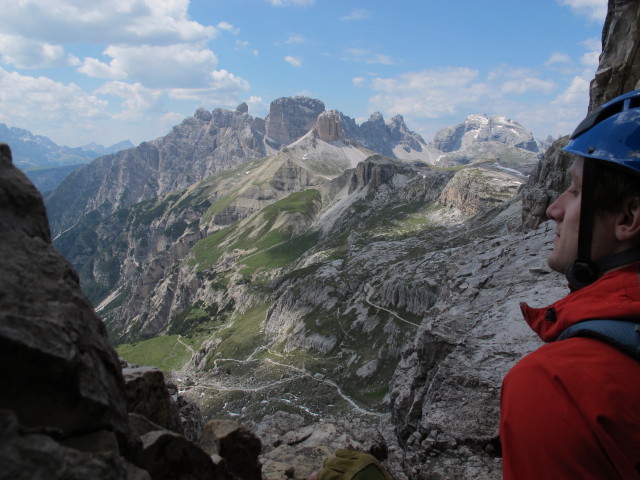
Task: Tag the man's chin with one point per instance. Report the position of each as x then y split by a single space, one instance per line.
557 265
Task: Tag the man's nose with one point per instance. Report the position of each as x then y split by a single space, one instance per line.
554 210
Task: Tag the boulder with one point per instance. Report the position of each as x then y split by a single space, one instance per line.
239 447
167 456
147 395
28 453
59 370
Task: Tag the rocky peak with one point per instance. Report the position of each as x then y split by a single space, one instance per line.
291 118
375 171
376 135
329 126
402 135
481 128
203 115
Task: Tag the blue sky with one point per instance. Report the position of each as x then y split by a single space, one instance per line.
110 70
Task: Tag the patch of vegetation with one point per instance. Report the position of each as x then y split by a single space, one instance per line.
298 202
166 352
243 336
275 247
200 319
218 206
207 251
146 212
283 253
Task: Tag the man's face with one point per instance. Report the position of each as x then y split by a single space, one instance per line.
565 211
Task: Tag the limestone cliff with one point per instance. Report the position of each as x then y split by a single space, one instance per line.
291 118
619 68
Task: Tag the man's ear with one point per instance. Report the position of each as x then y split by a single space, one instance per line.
628 221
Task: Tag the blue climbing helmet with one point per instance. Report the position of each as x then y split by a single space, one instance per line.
611 133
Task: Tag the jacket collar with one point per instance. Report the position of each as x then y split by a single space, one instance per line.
616 295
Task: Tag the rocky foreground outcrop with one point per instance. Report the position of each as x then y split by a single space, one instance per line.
67 407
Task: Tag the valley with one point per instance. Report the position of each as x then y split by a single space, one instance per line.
290 279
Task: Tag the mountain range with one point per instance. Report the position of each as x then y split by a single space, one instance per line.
243 250
46 163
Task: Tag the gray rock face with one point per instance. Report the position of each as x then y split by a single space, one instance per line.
474 190
167 455
403 136
200 146
291 118
147 395
330 126
548 179
239 447
445 394
619 68
34 455
375 134
374 172
45 320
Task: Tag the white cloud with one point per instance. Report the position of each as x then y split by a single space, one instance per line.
257 106
293 39
93 67
26 53
293 61
138 100
591 58
558 58
223 89
170 66
428 93
596 10
367 56
103 21
519 81
429 99
357 14
287 3
576 92
358 81
46 107
228 27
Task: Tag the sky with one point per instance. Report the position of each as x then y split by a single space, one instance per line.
79 71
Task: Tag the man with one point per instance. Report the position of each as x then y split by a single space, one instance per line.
571 409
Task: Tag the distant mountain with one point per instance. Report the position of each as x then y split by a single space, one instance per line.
100 150
47 163
479 136
32 151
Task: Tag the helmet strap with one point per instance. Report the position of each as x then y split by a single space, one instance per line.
584 271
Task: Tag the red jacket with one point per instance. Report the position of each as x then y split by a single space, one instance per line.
571 409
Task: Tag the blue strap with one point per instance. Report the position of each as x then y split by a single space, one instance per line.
621 334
